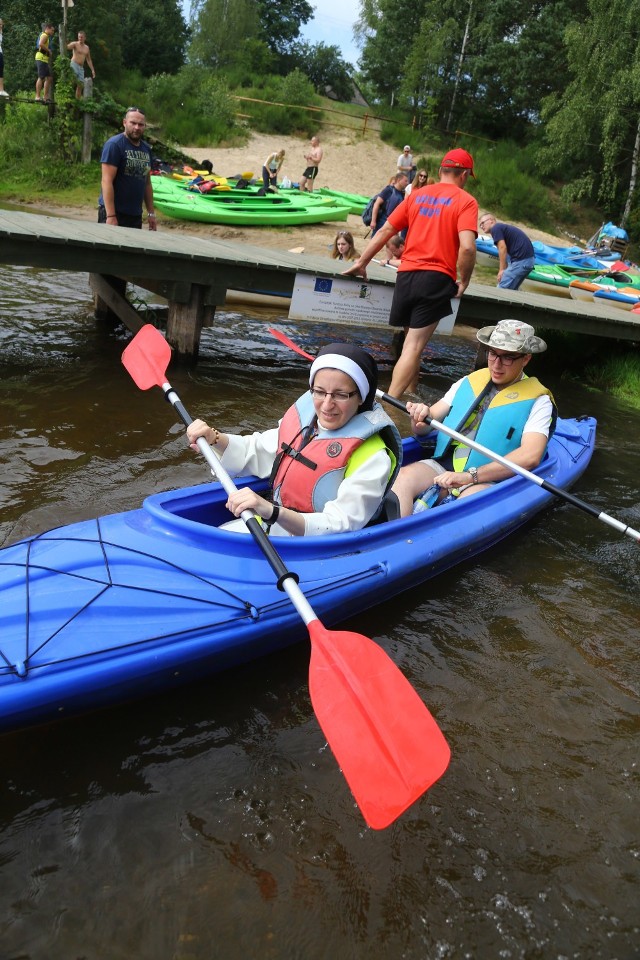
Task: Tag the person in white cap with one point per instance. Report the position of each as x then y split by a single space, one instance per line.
406 164
498 406
330 461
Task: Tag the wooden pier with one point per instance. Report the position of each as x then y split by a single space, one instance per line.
194 274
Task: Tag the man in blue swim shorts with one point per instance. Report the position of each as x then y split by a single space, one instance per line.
80 55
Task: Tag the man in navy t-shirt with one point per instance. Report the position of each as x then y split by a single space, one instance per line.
126 180
515 251
387 200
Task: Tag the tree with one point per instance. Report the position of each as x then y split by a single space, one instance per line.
102 20
155 36
220 30
325 68
482 67
591 133
280 22
386 30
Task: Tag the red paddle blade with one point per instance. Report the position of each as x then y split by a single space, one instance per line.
385 740
147 357
283 338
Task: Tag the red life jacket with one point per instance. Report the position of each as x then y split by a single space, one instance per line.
307 473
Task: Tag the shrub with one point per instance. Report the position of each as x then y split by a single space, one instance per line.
291 90
506 187
195 105
297 88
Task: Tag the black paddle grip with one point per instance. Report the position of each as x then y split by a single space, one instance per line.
273 557
255 529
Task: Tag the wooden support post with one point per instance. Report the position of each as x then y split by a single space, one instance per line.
109 300
184 324
87 94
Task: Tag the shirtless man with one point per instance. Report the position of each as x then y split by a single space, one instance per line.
313 159
81 55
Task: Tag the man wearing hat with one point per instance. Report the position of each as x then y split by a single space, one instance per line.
498 406
406 164
438 259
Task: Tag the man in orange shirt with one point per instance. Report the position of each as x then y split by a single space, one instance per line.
437 261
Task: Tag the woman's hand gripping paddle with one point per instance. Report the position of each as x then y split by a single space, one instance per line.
514 467
385 740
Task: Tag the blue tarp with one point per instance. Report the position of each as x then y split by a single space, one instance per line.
610 230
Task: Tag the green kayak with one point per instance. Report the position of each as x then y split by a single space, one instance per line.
553 278
243 207
355 201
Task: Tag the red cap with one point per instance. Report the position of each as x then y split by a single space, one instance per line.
458 159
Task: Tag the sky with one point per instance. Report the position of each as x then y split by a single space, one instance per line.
332 24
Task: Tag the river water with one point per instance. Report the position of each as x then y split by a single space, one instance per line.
213 822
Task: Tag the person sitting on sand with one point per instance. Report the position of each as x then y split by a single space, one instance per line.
271 169
331 459
343 246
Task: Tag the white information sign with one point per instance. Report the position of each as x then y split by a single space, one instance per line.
350 301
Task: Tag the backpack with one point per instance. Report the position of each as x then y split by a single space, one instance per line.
367 213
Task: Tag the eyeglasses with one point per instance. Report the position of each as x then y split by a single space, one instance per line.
338 396
483 223
134 110
506 359
422 176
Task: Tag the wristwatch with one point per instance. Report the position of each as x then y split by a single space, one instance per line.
473 473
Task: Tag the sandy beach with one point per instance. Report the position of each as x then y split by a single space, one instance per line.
349 163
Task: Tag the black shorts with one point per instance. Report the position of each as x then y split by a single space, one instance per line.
1 66
124 219
43 69
310 173
420 298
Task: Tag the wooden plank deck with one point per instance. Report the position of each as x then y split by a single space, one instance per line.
194 273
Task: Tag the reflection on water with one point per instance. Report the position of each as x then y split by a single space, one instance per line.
213 821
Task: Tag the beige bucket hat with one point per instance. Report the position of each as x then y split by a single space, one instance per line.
512 335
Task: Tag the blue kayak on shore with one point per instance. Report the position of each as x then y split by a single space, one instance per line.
115 608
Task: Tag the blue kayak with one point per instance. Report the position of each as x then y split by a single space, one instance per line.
545 253
129 604
619 297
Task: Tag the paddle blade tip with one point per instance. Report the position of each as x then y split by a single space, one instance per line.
146 358
388 745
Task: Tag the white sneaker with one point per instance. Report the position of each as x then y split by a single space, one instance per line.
3 93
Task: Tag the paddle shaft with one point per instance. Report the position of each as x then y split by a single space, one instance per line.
522 471
388 758
287 580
